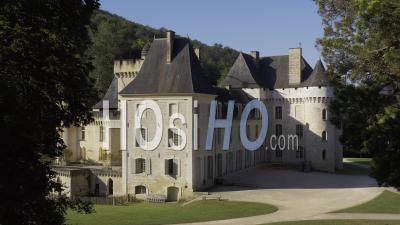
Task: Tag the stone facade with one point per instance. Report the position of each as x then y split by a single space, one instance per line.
300 97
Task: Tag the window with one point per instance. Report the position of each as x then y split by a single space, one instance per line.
278 153
324 114
299 130
143 132
172 109
324 138
230 161
238 160
218 135
324 154
173 137
278 130
83 133
110 186
219 164
140 165
171 167
258 114
138 106
219 113
101 133
140 189
278 112
253 114
239 111
256 129
209 167
299 152
247 158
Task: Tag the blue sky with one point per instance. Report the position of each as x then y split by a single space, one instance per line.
269 26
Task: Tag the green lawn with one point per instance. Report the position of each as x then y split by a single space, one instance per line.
147 213
365 161
340 222
387 202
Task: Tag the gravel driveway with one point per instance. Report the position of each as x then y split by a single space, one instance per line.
298 195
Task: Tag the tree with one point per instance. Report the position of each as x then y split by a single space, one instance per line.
114 37
44 86
361 46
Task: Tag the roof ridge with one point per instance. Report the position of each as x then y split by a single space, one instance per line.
187 48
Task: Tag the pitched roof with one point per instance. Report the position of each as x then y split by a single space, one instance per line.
183 75
268 72
111 95
318 77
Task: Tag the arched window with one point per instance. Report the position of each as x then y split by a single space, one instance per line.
324 154
140 189
324 114
110 187
324 136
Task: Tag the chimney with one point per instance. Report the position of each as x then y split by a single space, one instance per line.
197 52
255 54
294 66
170 45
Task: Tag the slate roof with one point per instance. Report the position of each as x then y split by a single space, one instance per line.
183 75
111 95
271 72
318 77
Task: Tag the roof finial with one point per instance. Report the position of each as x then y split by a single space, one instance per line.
300 44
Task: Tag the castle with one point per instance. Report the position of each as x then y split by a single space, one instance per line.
104 157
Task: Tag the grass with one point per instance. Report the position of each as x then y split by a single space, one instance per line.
340 222
387 202
364 161
147 213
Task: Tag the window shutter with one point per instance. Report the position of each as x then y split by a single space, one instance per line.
166 166
177 167
133 166
174 167
138 163
148 166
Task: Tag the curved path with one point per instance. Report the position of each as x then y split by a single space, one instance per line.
298 195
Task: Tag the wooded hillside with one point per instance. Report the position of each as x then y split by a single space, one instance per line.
114 37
